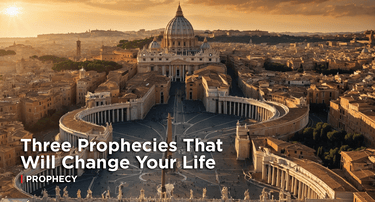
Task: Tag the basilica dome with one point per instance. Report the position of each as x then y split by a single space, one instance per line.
179 33
179 26
205 44
154 44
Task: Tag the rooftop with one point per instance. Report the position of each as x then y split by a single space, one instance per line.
69 120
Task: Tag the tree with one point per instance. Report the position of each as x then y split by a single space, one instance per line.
344 148
318 125
349 139
325 129
308 132
320 151
358 140
333 135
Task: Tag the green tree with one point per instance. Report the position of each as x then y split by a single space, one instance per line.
325 129
349 139
308 132
333 135
344 148
358 140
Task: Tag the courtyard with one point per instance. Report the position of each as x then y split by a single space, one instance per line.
189 121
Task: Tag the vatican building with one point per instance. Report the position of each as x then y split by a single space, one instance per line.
178 54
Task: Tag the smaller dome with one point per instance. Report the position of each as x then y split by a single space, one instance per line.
365 50
205 44
154 44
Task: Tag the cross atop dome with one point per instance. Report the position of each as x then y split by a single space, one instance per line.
179 11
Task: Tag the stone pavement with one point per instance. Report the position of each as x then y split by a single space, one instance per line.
190 121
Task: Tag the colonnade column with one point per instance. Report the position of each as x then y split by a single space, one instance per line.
278 178
273 176
282 179
269 174
299 190
287 180
295 186
225 107
264 171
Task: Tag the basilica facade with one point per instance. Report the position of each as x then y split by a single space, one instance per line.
179 53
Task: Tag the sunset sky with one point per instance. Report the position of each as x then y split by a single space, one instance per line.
29 18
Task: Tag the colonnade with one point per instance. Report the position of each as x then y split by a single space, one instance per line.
110 115
176 71
31 187
243 109
280 177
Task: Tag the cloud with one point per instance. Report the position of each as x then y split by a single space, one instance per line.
119 5
335 8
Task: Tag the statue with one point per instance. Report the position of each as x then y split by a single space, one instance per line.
57 190
171 193
191 194
288 196
79 193
264 195
224 193
107 194
204 193
119 196
44 193
103 196
247 195
142 194
89 193
281 194
65 195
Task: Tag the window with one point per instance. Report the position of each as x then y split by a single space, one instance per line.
179 44
200 59
184 43
209 59
152 68
192 59
330 94
159 59
152 59
144 59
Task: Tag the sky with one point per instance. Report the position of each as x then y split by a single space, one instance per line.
28 18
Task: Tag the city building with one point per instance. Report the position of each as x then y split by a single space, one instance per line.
179 53
88 82
322 93
354 115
